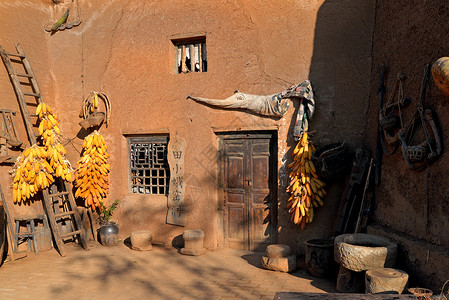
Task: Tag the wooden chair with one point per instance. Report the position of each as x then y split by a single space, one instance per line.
22 229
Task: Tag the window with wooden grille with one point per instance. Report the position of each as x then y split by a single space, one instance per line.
149 170
190 55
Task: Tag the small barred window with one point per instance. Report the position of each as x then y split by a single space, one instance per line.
149 168
190 55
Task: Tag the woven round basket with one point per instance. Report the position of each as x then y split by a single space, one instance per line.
416 153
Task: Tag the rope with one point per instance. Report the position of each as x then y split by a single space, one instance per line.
399 90
401 78
410 128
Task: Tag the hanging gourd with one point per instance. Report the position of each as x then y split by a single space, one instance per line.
440 74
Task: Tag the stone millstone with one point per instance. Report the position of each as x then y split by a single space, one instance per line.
278 251
141 240
360 251
282 264
193 242
385 280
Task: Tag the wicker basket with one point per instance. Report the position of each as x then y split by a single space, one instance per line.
416 153
389 122
93 120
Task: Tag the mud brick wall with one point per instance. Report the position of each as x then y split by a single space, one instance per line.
407 37
125 49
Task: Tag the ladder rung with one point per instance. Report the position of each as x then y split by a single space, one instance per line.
70 233
58 194
15 54
32 94
24 75
67 213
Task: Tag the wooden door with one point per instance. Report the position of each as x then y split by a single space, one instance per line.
248 191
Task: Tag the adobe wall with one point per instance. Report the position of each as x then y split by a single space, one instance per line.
407 37
22 22
124 49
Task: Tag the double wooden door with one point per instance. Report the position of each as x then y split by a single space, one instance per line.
248 182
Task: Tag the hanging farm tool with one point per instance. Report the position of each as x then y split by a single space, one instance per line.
389 120
424 123
89 112
9 131
379 148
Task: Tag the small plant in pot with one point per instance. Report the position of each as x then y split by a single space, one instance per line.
108 232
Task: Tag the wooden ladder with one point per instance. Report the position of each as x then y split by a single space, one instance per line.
59 203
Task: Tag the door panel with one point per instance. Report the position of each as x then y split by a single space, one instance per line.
236 198
235 172
235 194
235 218
247 192
260 173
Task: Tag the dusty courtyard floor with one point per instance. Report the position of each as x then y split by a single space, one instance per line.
121 273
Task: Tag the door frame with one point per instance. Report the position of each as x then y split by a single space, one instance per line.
273 179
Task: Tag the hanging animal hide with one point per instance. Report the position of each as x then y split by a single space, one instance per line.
271 105
275 105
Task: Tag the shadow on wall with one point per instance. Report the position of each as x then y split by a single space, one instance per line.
340 69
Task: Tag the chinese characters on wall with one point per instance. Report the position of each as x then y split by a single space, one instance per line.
176 209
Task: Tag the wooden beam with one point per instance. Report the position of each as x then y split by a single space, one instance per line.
340 296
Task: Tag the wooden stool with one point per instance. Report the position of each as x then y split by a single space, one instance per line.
30 232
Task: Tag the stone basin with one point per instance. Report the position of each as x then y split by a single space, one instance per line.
360 251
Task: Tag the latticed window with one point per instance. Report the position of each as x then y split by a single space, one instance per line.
191 55
148 165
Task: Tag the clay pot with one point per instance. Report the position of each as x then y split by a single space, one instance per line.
108 234
320 257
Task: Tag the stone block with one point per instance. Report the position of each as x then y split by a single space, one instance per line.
141 240
385 280
282 264
278 251
193 242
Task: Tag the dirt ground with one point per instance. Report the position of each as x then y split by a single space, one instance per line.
118 272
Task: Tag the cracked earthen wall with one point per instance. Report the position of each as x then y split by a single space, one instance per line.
124 49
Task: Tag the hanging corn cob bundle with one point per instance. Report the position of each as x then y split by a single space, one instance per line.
50 134
36 167
91 177
32 173
305 188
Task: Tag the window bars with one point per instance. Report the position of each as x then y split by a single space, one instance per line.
149 170
190 55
